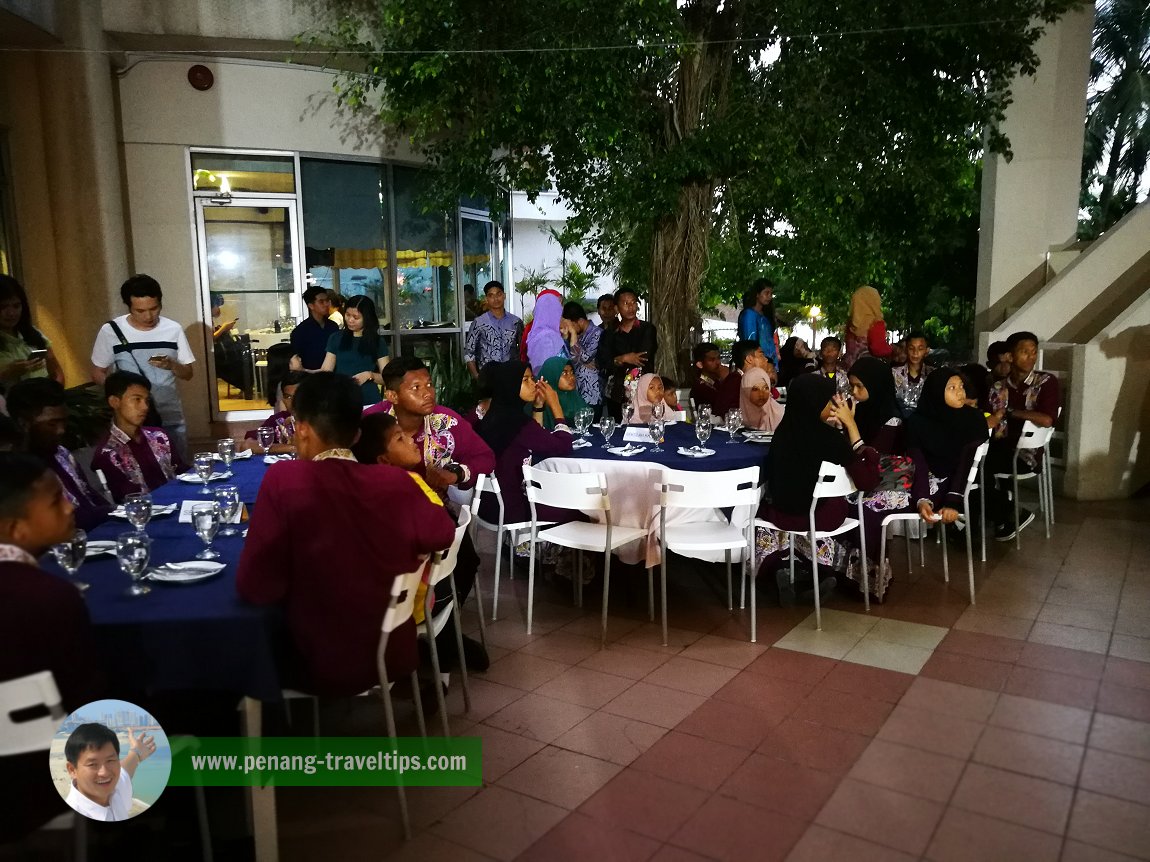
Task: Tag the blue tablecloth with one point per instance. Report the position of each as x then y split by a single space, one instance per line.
183 637
728 456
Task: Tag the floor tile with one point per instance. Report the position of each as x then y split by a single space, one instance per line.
622 660
950 698
910 634
1133 648
585 687
697 677
1061 660
775 698
820 844
939 732
486 698
816 745
1088 640
1115 824
578 837
883 816
609 737
872 682
1116 775
509 631
1053 687
644 803
1124 701
889 656
426 847
537 717
1038 756
503 751
729 723
1129 622
826 643
691 760
590 626
499 823
527 672
1018 798
725 651
788 788
562 646
979 645
1076 851
844 711
1016 608
733 831
967 670
1090 599
654 704
920 773
650 636
792 665
964 836
1066 723
670 853
1120 735
1079 617
974 619
561 777
1135 674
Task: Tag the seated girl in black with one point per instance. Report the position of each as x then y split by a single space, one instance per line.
877 414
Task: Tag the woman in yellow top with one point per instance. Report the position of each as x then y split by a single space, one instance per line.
866 334
24 351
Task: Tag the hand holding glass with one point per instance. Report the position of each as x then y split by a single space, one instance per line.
204 463
132 552
71 554
206 521
228 499
138 510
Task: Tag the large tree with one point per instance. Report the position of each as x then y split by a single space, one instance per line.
827 127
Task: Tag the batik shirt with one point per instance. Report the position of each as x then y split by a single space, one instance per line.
492 339
583 362
283 423
131 465
839 377
90 506
906 390
1038 392
445 438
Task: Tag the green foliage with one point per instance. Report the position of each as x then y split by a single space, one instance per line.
575 283
532 281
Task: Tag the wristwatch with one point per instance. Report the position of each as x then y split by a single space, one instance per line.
457 469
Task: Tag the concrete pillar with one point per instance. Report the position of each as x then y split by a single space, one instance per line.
1030 204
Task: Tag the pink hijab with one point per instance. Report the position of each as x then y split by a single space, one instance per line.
765 418
642 402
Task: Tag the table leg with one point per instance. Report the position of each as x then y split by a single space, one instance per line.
261 800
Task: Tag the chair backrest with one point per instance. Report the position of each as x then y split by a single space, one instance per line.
979 455
444 562
676 416
402 604
21 695
1033 437
833 481
681 489
566 490
782 394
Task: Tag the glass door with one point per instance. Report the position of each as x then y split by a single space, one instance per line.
252 296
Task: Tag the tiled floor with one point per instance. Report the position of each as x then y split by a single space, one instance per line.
1015 729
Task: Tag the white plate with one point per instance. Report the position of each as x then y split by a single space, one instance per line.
627 451
275 459
696 453
186 573
100 546
157 511
581 444
193 479
239 456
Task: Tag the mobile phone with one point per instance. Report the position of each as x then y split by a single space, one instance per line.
38 354
156 356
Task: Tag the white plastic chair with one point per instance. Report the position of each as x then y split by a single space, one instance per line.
443 566
680 489
833 481
1032 438
485 484
577 492
399 611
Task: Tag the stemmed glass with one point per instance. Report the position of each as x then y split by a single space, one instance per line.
703 414
659 410
203 463
734 423
265 436
132 552
628 412
228 499
206 521
226 448
606 428
71 555
138 510
655 426
583 418
703 432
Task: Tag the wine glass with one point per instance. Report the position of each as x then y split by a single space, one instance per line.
132 552
206 521
138 510
265 436
71 554
628 413
655 426
228 498
204 463
226 448
703 414
606 428
659 410
734 423
703 432
583 419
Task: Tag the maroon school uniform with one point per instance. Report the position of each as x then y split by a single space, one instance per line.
134 464
91 507
532 444
335 584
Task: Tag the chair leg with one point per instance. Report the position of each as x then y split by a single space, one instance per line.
815 583
792 543
909 554
420 718
982 506
202 820
970 560
1049 484
1044 493
882 542
945 555
1017 531
651 592
498 565
863 560
729 603
479 609
921 545
436 671
389 718
606 594
752 575
458 614
530 582
580 579
663 593
743 585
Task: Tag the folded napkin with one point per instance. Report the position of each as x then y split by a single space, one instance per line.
194 479
581 444
696 453
118 512
627 451
239 456
186 511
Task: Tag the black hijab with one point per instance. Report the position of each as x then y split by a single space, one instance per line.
943 432
505 417
791 365
801 443
881 405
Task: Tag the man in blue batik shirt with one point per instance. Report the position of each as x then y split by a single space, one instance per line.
494 335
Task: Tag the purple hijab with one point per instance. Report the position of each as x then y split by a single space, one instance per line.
544 340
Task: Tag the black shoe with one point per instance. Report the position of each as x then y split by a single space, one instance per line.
1027 517
475 655
826 589
1005 532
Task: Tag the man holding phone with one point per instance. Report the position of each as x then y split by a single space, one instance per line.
145 342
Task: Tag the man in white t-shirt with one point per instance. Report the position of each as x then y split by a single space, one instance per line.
144 342
101 781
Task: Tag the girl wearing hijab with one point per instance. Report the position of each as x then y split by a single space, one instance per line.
795 358
560 376
877 414
545 340
866 334
760 411
648 393
943 434
515 438
803 440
